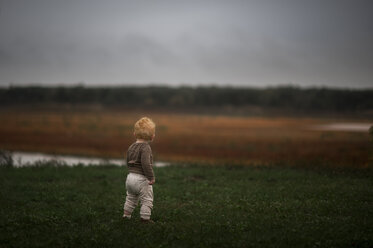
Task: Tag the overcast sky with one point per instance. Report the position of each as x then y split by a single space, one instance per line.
231 42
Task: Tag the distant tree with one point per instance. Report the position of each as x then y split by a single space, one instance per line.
289 98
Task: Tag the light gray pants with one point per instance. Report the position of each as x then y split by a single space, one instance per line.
138 188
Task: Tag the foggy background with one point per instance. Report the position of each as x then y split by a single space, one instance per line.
236 43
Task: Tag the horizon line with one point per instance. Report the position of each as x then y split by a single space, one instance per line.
165 85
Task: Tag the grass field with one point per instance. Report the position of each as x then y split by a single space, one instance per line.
186 137
195 206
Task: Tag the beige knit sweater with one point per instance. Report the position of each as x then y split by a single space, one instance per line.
140 159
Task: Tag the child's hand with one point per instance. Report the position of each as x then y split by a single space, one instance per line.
152 182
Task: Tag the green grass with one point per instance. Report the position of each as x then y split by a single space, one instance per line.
195 206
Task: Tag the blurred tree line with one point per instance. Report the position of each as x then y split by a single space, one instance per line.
285 97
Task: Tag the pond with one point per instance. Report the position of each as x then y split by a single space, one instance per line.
343 126
21 159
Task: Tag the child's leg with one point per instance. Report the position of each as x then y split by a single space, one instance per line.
130 204
146 199
132 197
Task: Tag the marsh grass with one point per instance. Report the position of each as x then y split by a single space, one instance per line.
184 137
195 206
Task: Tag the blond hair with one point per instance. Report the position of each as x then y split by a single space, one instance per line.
144 128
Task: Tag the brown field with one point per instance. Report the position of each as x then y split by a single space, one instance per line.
186 137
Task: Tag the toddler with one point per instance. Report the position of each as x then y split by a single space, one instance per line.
140 167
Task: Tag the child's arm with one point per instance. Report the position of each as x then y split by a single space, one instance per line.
152 182
126 157
146 164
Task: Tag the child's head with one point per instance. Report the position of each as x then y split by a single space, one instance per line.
144 129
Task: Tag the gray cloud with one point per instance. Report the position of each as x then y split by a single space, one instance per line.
253 43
